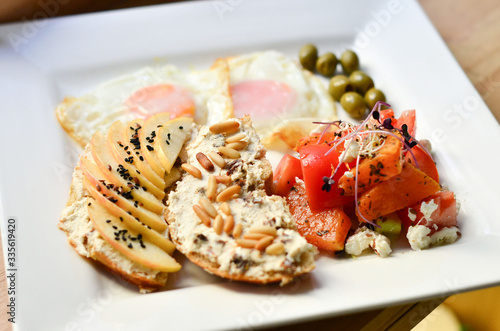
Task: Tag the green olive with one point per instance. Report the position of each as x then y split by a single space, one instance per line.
339 85
308 55
326 64
349 61
361 81
354 104
373 96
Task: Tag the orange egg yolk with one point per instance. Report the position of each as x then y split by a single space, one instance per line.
161 98
262 98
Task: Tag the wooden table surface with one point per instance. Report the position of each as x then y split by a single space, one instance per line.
471 29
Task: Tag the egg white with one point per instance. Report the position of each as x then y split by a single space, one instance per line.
281 130
95 111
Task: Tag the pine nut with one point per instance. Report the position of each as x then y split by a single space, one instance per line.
202 214
255 236
229 224
268 230
212 188
204 161
246 243
218 224
228 193
235 138
237 230
225 127
239 145
225 208
275 249
209 208
223 179
229 152
217 159
192 170
264 243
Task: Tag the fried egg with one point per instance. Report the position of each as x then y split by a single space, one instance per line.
282 99
203 95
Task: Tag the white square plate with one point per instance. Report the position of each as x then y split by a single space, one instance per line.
42 62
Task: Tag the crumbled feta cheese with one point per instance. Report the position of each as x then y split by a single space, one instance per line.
351 151
418 237
457 203
412 214
364 238
348 174
427 208
445 236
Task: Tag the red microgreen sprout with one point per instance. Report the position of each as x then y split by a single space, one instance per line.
328 125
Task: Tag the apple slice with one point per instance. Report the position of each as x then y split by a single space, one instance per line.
129 221
147 136
96 178
124 156
129 242
118 175
131 137
169 140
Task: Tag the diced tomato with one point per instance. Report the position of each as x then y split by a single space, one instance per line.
326 229
327 138
408 117
388 113
442 207
316 166
284 176
424 162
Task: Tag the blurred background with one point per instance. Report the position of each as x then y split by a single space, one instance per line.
471 29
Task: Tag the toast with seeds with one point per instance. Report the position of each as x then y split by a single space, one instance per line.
221 217
115 213
86 240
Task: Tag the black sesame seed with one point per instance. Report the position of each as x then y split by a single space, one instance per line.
129 246
150 148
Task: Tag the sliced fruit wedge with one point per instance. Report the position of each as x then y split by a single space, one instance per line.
94 177
129 221
131 138
124 156
129 242
170 139
118 175
147 136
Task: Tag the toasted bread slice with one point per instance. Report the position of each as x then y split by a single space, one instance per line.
82 235
224 253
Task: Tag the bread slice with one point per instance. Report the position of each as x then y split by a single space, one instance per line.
222 254
82 235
